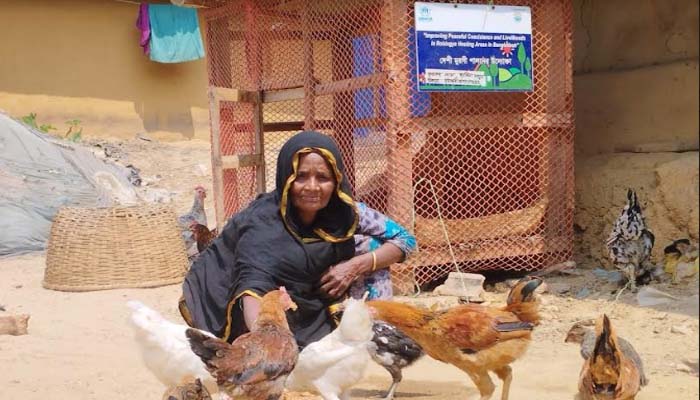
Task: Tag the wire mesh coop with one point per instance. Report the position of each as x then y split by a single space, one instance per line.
484 180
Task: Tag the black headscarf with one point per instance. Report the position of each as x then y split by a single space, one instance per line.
265 246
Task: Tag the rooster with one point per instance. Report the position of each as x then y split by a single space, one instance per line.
334 364
202 235
578 333
165 348
473 338
630 243
188 391
608 374
256 365
394 351
196 214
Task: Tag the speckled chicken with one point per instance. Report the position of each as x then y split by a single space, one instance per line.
196 214
608 374
630 243
188 391
394 351
256 365
586 337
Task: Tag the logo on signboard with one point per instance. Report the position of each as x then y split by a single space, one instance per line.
517 16
424 14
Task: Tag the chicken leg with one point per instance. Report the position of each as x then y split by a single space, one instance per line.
483 382
506 375
631 272
396 377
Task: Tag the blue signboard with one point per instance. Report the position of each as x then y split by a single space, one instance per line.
473 47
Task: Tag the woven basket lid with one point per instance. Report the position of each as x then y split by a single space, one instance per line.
116 247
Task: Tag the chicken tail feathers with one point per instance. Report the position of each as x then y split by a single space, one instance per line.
604 345
205 347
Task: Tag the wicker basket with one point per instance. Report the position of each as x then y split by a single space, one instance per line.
118 247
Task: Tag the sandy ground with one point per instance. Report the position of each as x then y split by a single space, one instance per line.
80 346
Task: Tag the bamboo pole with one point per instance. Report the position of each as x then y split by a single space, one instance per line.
216 162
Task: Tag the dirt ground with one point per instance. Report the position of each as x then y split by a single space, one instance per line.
80 346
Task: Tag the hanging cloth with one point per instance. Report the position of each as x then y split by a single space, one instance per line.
144 25
175 35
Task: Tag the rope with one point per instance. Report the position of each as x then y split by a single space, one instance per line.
444 231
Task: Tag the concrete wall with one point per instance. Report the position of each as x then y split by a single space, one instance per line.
636 75
81 59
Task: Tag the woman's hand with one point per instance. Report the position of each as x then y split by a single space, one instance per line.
337 280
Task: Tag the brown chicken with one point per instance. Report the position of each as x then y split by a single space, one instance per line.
473 338
256 364
202 235
188 391
579 333
608 374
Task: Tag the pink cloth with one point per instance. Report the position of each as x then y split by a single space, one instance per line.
144 25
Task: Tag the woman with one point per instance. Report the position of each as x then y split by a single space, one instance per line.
301 236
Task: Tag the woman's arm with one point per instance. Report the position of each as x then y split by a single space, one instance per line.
251 309
338 278
397 244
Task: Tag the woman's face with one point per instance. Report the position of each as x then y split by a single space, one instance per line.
313 187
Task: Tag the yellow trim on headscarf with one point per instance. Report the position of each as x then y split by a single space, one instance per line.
184 311
344 197
229 307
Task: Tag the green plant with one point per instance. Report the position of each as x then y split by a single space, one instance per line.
528 66
31 121
493 71
521 57
75 131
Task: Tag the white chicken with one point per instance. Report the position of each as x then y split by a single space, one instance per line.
166 350
630 242
334 364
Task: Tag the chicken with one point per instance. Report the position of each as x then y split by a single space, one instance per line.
165 348
202 235
394 351
188 391
256 364
680 260
630 243
579 333
334 364
608 373
196 214
473 338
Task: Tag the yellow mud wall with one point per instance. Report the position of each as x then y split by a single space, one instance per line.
636 100
81 59
636 75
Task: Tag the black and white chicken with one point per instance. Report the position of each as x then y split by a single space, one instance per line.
630 243
394 351
195 215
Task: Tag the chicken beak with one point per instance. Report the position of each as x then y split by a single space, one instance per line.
530 287
292 305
